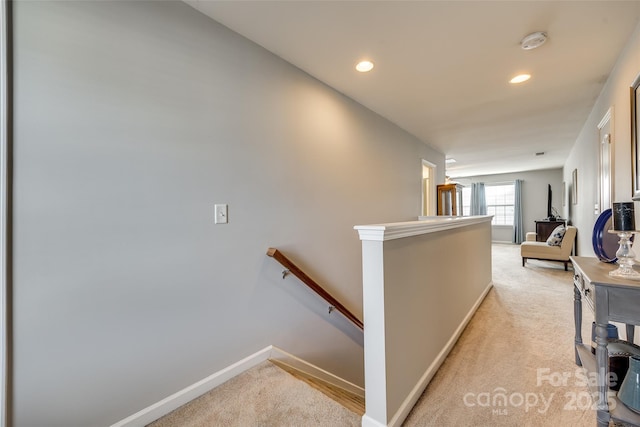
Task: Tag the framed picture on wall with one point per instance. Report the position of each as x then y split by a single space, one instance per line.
635 126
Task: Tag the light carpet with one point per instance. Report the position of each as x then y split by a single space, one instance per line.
264 396
512 366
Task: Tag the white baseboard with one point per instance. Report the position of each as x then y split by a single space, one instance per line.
168 404
370 422
291 360
421 385
187 394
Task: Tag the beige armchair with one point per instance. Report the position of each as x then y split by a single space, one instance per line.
541 250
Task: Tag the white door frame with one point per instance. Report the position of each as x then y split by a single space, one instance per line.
605 160
431 203
5 209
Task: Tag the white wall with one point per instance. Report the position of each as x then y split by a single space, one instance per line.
131 120
534 197
585 152
417 301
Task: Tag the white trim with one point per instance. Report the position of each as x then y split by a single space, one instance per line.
607 116
375 337
421 385
367 421
187 394
398 230
4 212
432 202
309 369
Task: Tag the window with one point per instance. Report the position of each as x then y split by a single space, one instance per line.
500 202
466 200
500 199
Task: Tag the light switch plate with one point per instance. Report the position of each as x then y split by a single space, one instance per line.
220 213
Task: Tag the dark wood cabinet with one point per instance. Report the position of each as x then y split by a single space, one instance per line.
545 227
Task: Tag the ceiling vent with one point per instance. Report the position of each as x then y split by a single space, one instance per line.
533 40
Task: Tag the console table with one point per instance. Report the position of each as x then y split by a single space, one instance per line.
545 227
611 299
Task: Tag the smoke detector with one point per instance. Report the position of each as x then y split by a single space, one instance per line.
533 40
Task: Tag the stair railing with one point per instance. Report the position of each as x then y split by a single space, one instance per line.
296 271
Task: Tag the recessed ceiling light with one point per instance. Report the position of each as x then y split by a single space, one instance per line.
364 66
449 161
520 78
533 40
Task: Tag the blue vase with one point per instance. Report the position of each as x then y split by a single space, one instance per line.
629 393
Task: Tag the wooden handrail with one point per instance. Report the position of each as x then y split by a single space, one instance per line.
295 270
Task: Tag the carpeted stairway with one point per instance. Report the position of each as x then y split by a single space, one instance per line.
265 396
505 369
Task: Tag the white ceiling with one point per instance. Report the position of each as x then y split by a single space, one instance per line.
442 67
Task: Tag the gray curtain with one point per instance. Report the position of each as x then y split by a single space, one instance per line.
518 226
478 199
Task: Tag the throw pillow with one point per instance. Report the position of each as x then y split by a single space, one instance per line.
555 239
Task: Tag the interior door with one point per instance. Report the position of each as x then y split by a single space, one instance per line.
428 188
605 162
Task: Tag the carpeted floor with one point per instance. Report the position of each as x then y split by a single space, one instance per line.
512 366
264 396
